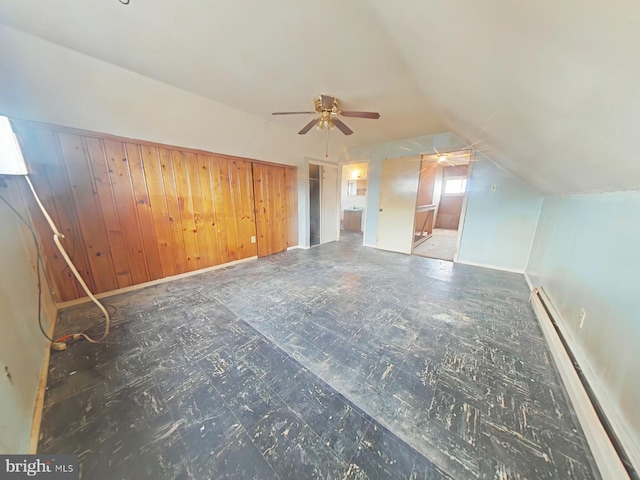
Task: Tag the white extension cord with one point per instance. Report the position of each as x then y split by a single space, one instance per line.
57 235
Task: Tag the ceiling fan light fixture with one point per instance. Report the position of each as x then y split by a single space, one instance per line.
442 158
325 124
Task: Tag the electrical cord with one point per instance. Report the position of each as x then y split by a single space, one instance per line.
59 344
57 235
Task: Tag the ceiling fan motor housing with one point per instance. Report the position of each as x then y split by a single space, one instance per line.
323 106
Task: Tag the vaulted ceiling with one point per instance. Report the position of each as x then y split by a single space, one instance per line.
550 90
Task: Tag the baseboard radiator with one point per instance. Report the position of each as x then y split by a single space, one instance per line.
608 452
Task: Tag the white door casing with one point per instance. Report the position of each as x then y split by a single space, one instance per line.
330 218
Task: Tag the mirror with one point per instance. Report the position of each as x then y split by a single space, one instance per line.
356 188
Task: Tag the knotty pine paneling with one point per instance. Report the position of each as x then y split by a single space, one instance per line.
133 211
87 207
55 267
271 208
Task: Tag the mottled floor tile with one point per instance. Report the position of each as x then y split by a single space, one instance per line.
253 402
152 450
381 455
294 449
338 424
236 458
456 415
412 390
335 362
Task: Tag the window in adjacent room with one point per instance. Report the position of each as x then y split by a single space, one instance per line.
455 186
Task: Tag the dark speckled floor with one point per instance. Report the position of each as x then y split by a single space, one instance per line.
336 362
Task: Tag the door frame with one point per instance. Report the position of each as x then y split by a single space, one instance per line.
323 211
465 200
366 194
435 212
321 164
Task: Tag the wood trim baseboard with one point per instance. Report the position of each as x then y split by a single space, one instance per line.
133 288
34 436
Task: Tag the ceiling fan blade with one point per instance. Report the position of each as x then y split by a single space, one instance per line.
292 113
342 127
373 115
327 101
309 126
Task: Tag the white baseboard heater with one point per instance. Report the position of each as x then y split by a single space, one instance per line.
608 452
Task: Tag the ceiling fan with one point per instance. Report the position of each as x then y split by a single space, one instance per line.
328 113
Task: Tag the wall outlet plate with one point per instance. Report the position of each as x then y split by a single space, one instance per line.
582 316
253 239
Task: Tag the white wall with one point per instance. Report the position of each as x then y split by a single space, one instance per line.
586 255
500 223
401 148
22 345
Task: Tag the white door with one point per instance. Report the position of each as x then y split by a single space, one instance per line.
329 199
399 182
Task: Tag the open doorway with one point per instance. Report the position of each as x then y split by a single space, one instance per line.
323 203
353 197
443 183
314 205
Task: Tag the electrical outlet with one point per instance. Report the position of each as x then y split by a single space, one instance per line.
253 239
582 316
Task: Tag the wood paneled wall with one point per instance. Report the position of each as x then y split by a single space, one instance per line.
271 209
134 211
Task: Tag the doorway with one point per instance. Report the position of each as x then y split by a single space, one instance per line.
441 194
314 205
353 197
323 204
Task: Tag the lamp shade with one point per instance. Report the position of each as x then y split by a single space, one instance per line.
11 160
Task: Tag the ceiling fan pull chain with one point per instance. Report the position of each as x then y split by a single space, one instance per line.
326 147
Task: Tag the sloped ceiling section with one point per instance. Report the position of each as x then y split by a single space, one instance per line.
548 89
257 56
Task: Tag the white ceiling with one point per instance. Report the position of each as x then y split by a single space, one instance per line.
548 89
